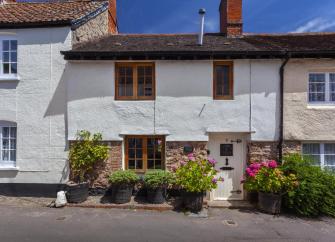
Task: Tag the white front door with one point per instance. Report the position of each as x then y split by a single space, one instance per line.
229 150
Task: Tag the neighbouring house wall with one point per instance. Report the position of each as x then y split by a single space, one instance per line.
92 29
261 151
301 120
37 103
184 107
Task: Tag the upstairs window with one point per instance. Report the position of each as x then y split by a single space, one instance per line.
321 88
322 154
145 153
223 80
135 81
7 145
8 57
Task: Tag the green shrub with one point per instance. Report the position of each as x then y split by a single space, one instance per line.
197 175
315 194
84 153
158 179
123 177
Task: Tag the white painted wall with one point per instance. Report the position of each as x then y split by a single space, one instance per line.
37 103
184 106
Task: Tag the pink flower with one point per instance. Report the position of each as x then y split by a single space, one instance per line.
273 164
242 180
212 161
214 180
265 164
182 163
174 168
191 157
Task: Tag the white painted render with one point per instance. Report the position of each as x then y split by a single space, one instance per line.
37 103
184 108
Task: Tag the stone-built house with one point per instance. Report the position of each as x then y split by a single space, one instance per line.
155 98
33 118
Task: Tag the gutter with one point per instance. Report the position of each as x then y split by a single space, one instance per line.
281 107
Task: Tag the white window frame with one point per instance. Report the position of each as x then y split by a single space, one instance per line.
322 153
9 76
327 89
9 163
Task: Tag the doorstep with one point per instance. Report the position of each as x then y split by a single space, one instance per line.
230 204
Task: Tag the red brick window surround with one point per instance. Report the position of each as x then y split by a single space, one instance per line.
144 153
135 81
223 83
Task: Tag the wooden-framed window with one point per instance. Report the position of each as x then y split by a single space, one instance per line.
145 153
223 80
321 88
135 81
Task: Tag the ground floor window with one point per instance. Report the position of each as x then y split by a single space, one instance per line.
7 146
144 153
322 153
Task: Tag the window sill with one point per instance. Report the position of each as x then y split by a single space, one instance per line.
321 106
9 168
9 78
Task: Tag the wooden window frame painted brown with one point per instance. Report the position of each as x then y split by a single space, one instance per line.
144 151
135 96
231 80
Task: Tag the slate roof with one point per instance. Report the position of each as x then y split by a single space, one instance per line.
36 14
185 46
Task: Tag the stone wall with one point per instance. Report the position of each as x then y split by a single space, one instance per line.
291 147
93 29
260 151
175 151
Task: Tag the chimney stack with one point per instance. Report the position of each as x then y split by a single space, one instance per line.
112 19
231 23
202 13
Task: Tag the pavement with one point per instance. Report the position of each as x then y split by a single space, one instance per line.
38 223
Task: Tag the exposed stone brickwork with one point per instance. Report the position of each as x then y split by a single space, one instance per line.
231 17
99 178
112 19
93 29
291 147
175 151
260 151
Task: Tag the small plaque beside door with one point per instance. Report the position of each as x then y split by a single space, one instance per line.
226 150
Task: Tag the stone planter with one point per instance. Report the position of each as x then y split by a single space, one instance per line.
155 196
193 201
77 193
122 193
252 197
269 202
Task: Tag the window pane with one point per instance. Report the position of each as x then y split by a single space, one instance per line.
6 68
13 132
5 56
151 154
13 45
151 164
139 143
330 149
5 144
5 132
139 154
131 154
312 151
5 155
139 164
5 44
13 57
330 160
332 87
131 142
12 155
131 164
145 81
158 164
125 81
13 68
13 144
222 80
317 87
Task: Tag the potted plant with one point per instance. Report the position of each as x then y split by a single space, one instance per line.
156 183
84 153
249 182
196 176
122 185
271 183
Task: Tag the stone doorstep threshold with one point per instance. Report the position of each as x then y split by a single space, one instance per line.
231 204
151 207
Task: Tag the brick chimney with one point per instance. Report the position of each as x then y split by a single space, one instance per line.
231 18
112 19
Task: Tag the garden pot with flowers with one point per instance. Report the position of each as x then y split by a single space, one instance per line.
156 183
271 183
196 176
122 185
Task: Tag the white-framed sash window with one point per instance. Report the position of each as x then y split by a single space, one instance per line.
8 57
8 145
322 153
321 88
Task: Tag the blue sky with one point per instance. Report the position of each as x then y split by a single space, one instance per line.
260 16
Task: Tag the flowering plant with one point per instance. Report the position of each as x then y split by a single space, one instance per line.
268 177
197 174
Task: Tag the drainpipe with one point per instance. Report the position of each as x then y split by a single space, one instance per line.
281 124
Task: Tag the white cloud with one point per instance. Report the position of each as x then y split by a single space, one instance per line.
211 25
316 25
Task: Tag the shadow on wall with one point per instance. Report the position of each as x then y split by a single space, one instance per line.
8 174
8 84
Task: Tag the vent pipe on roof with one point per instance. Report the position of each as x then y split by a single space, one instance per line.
202 13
